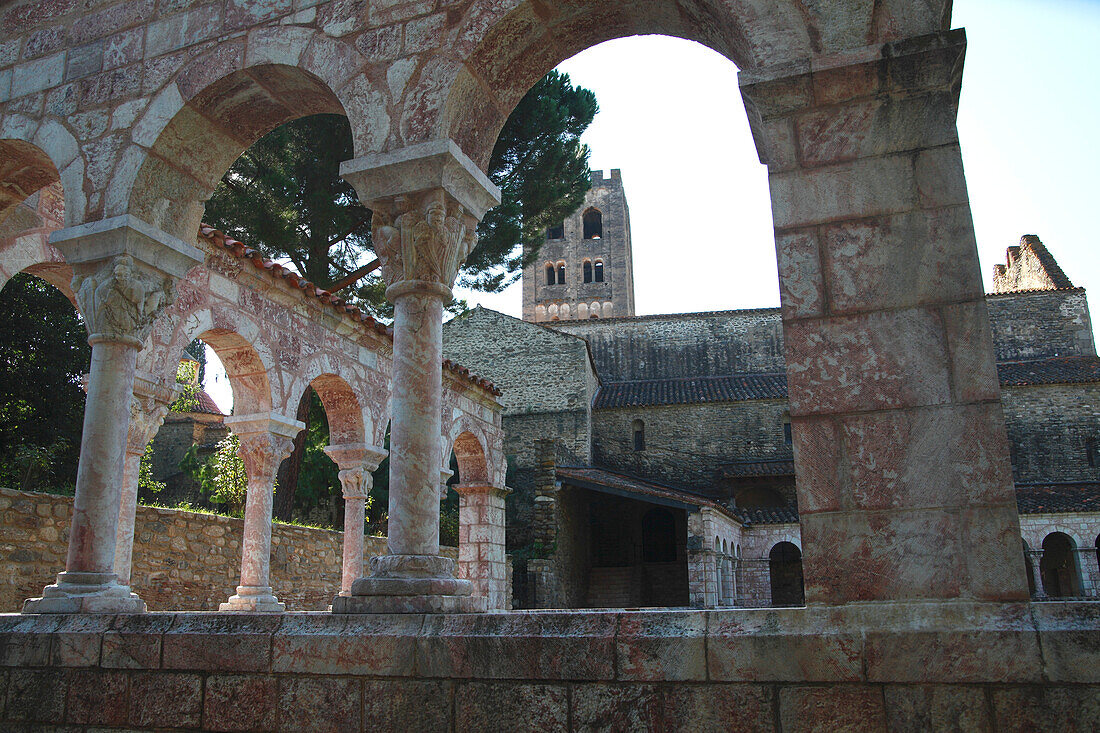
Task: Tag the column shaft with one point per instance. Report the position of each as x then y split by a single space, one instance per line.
354 522
127 514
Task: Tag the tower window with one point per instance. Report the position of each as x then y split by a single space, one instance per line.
549 274
556 232
561 273
599 271
587 271
639 435
593 224
788 436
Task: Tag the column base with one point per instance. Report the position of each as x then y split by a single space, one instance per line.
253 599
86 593
410 584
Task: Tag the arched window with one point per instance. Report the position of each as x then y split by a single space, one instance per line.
785 569
593 224
599 271
1058 567
556 232
658 536
587 271
639 435
561 273
549 274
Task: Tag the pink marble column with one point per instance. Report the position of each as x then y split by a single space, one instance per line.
904 484
357 463
426 200
481 555
265 440
125 274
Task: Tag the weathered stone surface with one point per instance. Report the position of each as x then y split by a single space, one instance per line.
240 703
840 707
170 700
235 643
936 707
510 706
387 705
98 698
320 704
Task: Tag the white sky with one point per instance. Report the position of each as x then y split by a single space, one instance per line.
671 118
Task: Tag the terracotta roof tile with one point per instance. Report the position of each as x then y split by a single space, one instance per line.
238 249
749 469
1058 498
768 515
1054 370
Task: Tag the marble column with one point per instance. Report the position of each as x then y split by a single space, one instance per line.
481 555
1034 557
265 441
904 481
357 463
427 200
125 272
147 411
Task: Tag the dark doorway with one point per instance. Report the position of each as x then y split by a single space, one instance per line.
785 568
1058 567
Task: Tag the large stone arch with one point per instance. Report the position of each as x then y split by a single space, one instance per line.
35 154
501 49
24 240
221 102
349 418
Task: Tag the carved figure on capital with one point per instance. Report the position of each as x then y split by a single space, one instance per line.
423 236
355 482
146 415
262 453
119 303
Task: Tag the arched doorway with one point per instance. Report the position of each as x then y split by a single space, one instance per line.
1060 573
785 571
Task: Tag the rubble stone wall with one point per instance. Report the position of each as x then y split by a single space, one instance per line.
1053 431
182 560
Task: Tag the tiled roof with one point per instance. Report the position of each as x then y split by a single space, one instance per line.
1055 370
600 479
731 388
238 249
1033 290
740 387
1058 498
206 404
748 469
769 515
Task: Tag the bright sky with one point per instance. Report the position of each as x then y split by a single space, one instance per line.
671 118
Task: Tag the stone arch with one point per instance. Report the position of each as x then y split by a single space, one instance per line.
1059 567
222 102
33 156
24 241
592 223
785 574
473 466
582 311
347 421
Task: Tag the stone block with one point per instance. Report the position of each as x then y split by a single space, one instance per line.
486 706
801 283
918 708
36 695
399 705
1069 642
845 707
1054 708
634 707
781 645
320 704
223 642
377 645
165 700
534 646
240 703
134 641
973 369
38 75
940 178
77 641
950 655
867 362
734 708
98 697
661 646
25 641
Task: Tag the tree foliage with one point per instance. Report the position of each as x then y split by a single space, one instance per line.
44 353
221 478
284 195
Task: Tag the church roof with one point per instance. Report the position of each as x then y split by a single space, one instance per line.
1058 498
742 387
609 482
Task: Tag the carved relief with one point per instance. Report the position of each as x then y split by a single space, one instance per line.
422 237
146 416
120 303
355 482
262 453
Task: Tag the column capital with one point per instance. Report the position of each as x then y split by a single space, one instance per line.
353 455
124 274
266 439
471 489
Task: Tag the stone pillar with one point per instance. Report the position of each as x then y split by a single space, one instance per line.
125 273
1034 557
1090 571
357 463
444 476
265 441
427 200
148 408
904 482
481 541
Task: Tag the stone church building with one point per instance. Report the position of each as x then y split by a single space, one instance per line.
652 456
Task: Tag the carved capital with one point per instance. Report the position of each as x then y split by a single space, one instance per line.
120 299
262 453
424 236
356 482
357 461
146 416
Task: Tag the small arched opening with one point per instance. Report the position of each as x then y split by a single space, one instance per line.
593 224
556 232
561 273
550 280
638 428
588 271
597 271
1058 569
785 571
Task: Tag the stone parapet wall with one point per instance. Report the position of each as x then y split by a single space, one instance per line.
182 560
901 667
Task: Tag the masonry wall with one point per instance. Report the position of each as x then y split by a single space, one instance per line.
685 443
1041 324
182 560
1052 429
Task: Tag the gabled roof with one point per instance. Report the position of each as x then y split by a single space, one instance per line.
1054 370
687 390
753 469
609 482
1058 498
